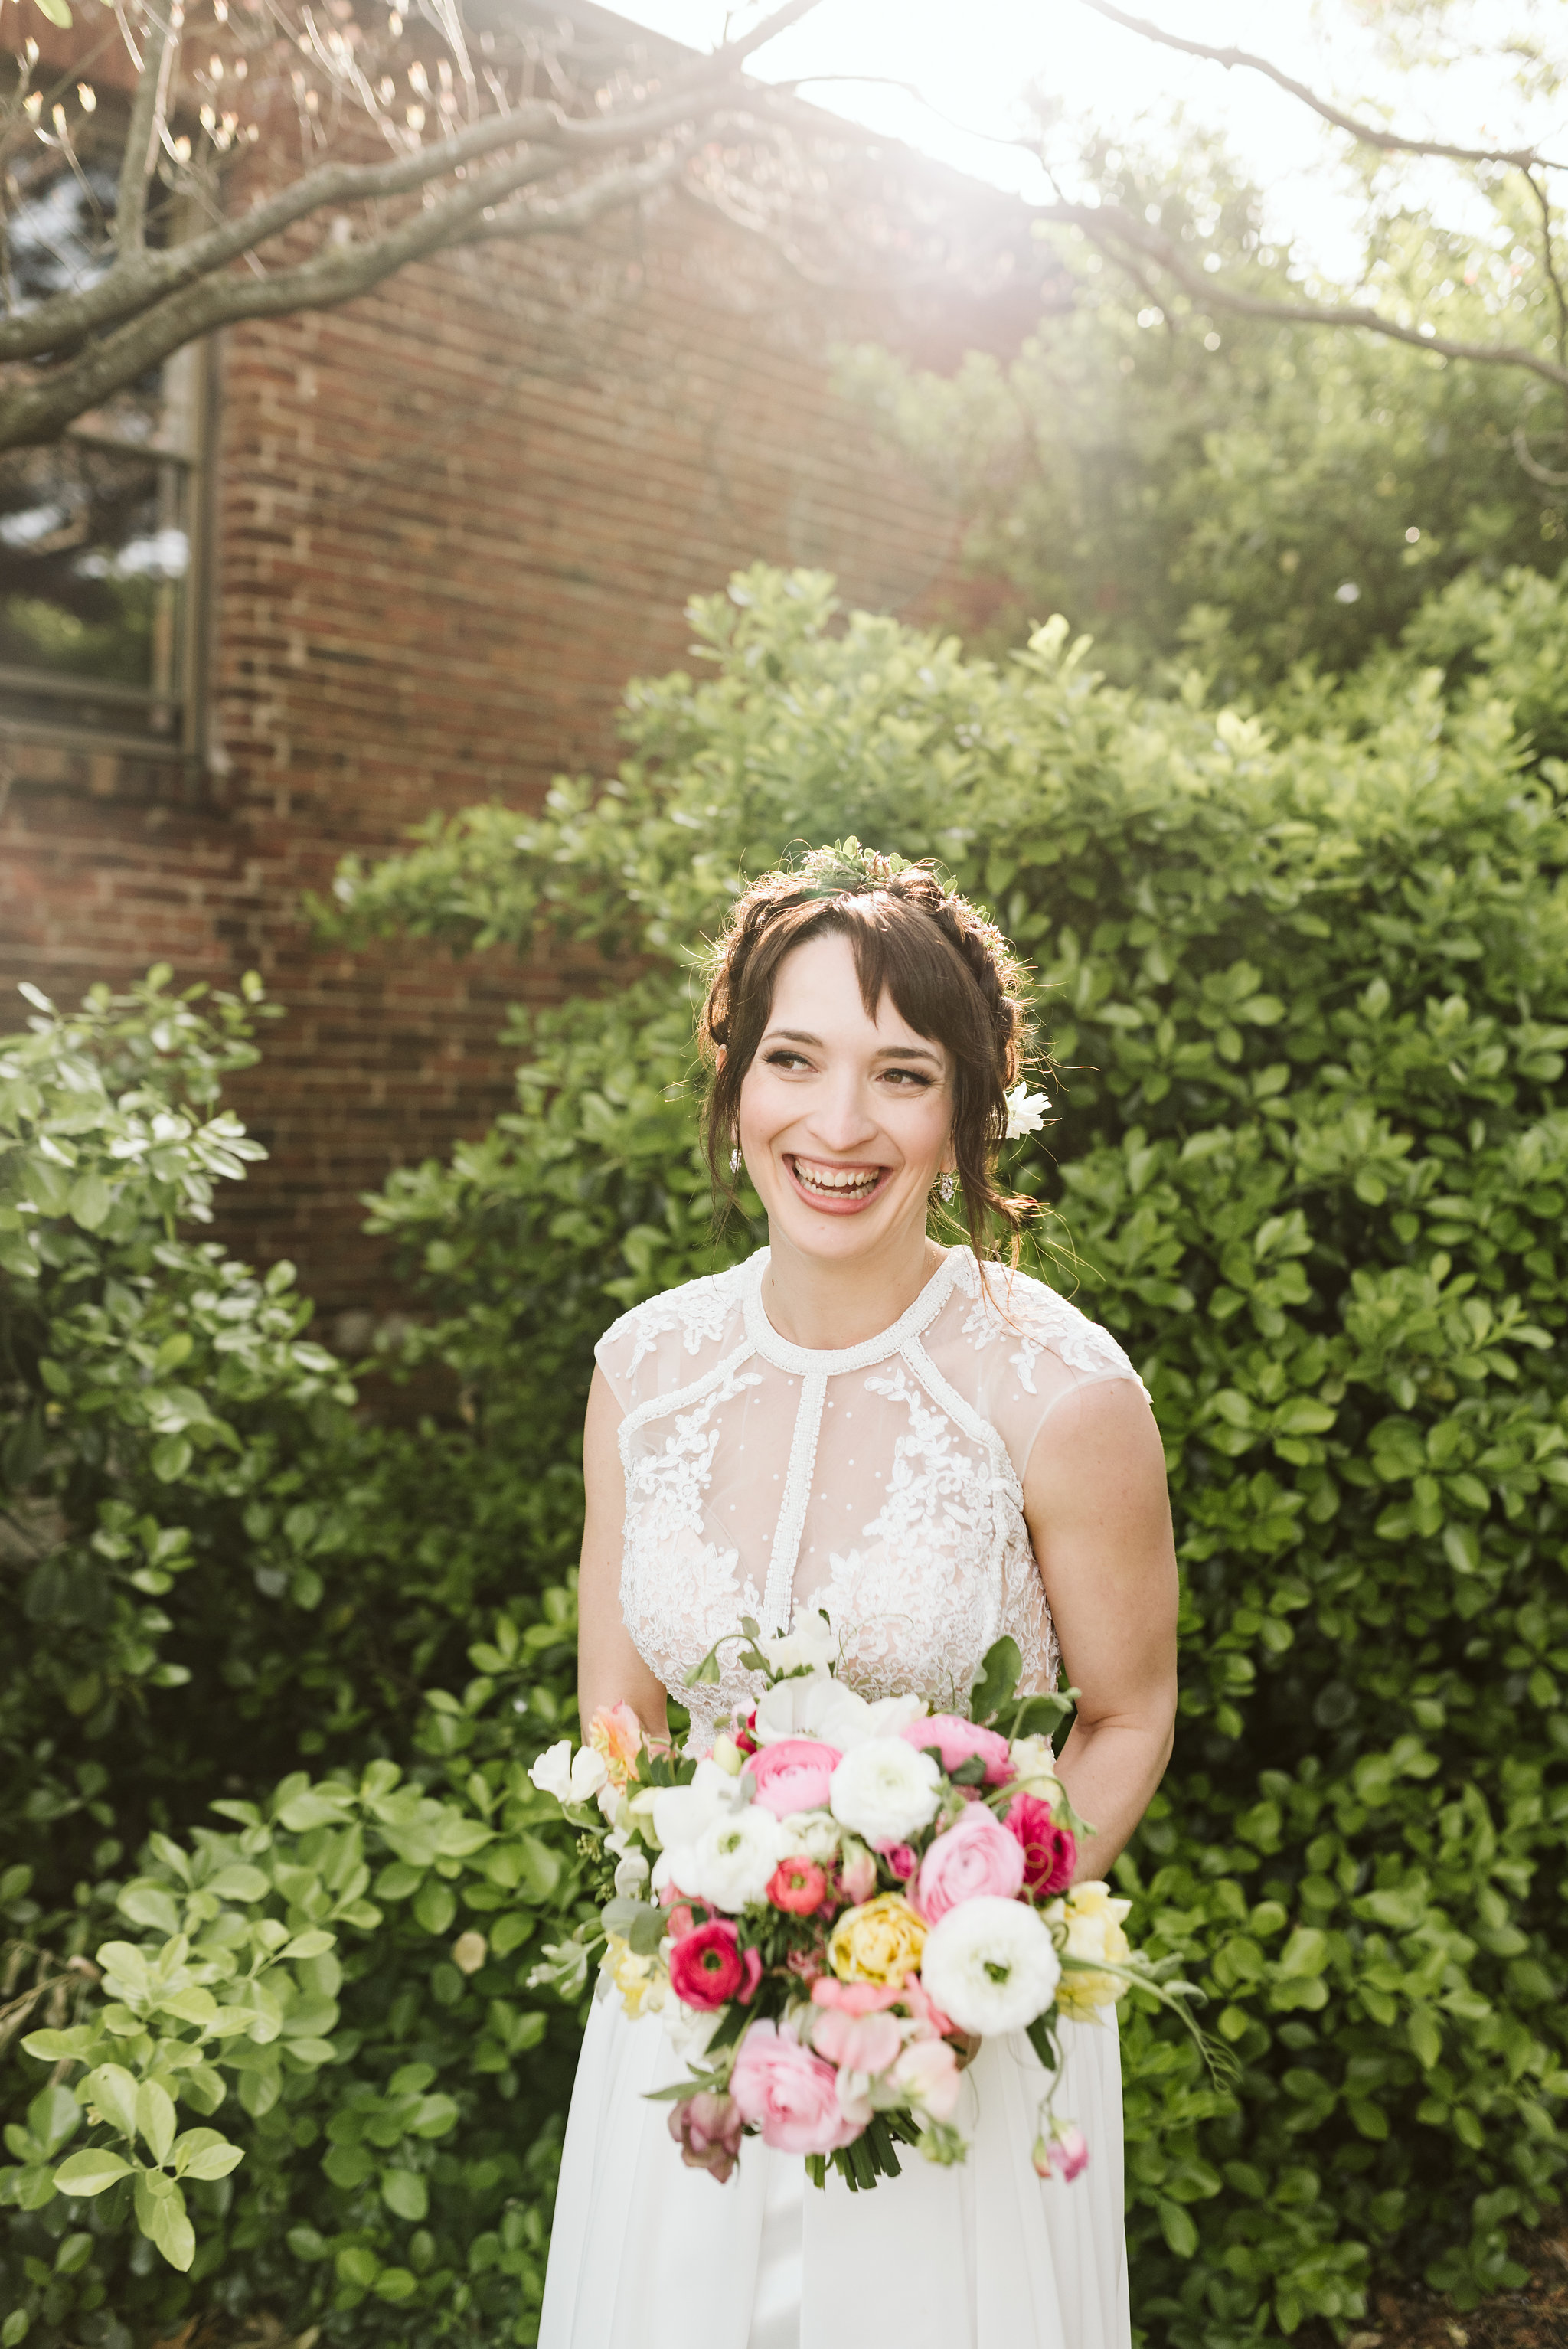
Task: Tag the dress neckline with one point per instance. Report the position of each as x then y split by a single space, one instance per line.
827 1361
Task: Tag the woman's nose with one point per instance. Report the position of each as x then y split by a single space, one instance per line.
841 1118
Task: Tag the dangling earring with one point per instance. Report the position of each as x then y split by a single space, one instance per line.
736 1161
946 1185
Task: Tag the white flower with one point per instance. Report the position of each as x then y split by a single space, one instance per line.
817 1706
1026 1112
1035 1767
889 1715
814 1833
734 1859
885 1790
680 1814
631 1876
570 1777
991 1965
689 2029
811 1641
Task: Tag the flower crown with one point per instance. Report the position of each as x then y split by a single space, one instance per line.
846 866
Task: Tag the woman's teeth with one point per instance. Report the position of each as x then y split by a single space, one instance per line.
842 1182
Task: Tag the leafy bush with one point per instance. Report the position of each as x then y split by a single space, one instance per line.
1308 999
181 1481
1306 982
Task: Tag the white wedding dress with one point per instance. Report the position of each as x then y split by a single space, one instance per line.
883 1483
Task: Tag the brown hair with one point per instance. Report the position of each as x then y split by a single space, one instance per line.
950 972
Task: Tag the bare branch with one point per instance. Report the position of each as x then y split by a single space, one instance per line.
149 276
148 114
1113 230
38 411
1522 158
1532 465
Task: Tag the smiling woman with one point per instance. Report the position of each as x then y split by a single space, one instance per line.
934 1451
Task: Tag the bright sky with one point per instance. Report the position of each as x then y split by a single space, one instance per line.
970 61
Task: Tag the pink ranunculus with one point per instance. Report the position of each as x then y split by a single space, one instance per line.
806 1965
797 1886
791 2092
899 1860
928 2071
928 2015
794 1775
866 2042
857 1877
857 1998
707 2131
708 1967
954 1741
1050 1852
973 1858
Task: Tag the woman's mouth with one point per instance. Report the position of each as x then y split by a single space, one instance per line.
838 1190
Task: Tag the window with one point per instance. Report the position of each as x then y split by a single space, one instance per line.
98 531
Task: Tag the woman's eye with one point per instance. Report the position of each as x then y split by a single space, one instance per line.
786 1061
904 1076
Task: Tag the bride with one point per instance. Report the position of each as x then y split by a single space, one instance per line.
934 1450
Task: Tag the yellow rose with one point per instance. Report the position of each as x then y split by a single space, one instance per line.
881 1942
641 1981
1086 1925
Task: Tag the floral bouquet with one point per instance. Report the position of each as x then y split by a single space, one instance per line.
832 1906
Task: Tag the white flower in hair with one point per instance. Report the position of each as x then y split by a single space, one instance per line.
1026 1112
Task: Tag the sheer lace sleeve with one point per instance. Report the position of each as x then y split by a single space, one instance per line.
1033 1349
663 1344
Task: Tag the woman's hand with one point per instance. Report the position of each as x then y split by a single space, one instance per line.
1099 1513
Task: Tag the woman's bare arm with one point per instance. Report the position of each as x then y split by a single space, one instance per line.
1100 1516
609 1668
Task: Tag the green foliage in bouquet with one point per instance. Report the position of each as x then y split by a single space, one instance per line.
1304 974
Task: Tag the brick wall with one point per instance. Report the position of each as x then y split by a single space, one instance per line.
451 519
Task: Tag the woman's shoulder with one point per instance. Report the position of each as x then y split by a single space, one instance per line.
1019 1318
668 1341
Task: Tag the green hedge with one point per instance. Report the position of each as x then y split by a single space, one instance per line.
1307 983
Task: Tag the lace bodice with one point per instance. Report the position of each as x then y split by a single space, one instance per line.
883 1483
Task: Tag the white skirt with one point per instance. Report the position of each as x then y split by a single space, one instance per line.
982 2256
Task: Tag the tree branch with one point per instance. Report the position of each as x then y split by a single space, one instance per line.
148 112
38 411
141 278
1524 159
1108 225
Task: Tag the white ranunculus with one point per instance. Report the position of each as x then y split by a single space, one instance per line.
990 1964
815 1833
735 1857
631 1876
680 1814
886 1789
570 1777
811 1641
817 1706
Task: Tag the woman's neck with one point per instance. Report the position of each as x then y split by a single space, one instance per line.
827 1306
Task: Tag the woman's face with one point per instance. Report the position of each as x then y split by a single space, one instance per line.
845 1122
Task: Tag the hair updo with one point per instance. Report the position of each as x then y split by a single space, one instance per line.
949 971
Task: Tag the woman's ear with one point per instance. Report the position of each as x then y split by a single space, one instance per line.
720 1057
